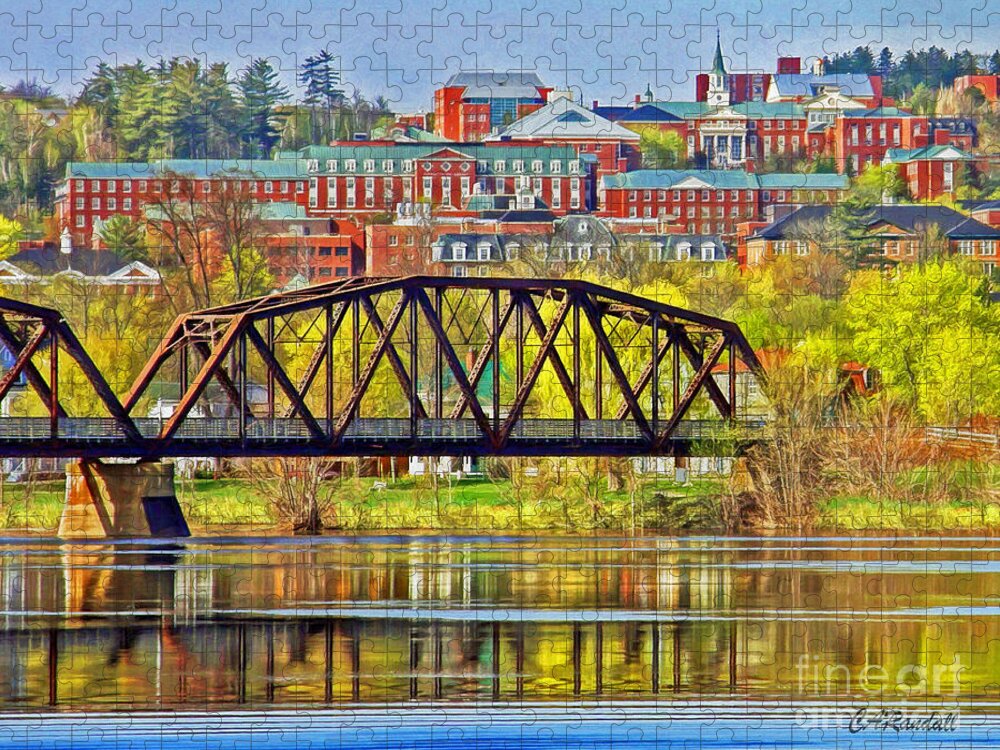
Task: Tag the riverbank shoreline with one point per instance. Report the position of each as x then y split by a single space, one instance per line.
232 506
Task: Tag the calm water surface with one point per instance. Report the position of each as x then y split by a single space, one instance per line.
502 642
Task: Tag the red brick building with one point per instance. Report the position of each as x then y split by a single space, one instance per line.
893 234
711 201
95 191
932 172
862 137
362 180
303 249
474 104
988 86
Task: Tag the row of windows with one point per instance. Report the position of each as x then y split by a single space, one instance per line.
269 186
706 212
779 196
787 247
324 272
656 252
407 166
367 193
869 135
661 195
110 204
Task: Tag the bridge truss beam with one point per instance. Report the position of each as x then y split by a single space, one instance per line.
417 365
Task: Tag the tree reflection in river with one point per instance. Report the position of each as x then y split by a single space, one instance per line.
293 622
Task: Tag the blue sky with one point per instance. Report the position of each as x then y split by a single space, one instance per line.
403 49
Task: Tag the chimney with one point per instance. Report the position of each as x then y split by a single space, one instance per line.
595 104
819 66
635 104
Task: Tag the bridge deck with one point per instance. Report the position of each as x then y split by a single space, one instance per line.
103 437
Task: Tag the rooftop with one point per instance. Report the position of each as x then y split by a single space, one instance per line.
912 218
563 118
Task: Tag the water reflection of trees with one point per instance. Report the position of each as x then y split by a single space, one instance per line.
331 625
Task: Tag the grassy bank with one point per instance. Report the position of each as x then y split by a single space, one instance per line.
478 504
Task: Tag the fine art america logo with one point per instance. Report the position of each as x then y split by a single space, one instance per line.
902 720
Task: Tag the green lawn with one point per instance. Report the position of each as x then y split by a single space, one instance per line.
846 514
479 504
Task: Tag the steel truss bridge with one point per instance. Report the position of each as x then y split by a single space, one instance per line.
395 366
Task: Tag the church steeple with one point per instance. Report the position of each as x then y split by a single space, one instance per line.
718 79
719 64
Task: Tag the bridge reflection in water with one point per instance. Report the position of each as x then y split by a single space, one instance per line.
401 621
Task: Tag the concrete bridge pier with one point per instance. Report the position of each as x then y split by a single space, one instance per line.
121 500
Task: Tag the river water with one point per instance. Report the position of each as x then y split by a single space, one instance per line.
500 642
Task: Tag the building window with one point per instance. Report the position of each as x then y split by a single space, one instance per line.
126 186
324 251
341 251
95 204
350 165
369 192
458 251
95 186
446 191
313 200
341 271
300 187
79 185
324 272
80 220
331 193
967 247
284 186
393 240
369 165
518 166
351 193
428 188
483 251
555 166
112 204
126 204
268 187
79 204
